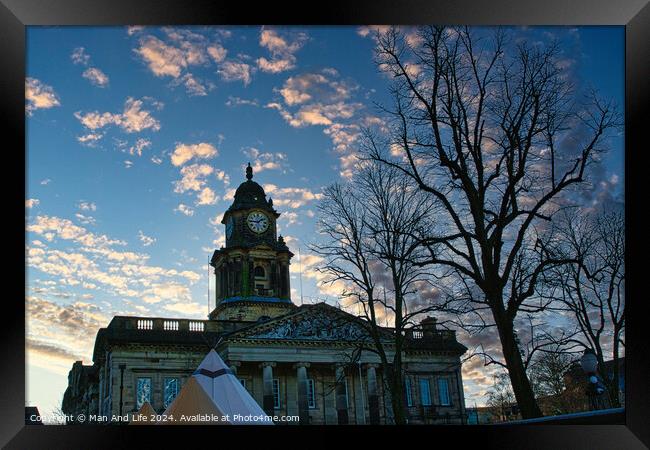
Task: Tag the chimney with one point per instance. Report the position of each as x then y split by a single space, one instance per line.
428 327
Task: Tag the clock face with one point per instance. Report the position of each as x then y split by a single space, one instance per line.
230 225
257 222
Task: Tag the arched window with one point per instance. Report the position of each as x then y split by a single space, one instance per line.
259 272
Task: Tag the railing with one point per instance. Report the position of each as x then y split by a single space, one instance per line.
197 326
170 325
431 334
612 415
163 324
431 414
145 324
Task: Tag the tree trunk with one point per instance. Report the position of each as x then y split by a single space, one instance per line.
613 383
396 396
518 378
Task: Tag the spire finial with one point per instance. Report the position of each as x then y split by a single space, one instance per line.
249 172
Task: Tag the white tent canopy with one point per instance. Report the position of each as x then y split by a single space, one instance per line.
144 415
230 396
192 406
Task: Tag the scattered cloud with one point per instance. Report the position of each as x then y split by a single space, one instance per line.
90 139
134 29
217 52
185 152
223 176
184 209
193 86
91 260
266 160
193 178
86 206
178 54
32 202
206 197
291 197
92 74
146 240
133 119
96 77
237 101
163 59
370 30
39 96
324 99
85 220
282 49
139 145
79 56
235 71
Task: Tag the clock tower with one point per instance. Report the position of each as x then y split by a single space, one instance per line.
252 270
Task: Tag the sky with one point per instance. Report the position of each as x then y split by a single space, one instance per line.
137 138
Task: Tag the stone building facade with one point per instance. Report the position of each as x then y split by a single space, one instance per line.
309 361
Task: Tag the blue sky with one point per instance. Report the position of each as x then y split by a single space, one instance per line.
138 136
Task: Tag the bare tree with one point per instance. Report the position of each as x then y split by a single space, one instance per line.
370 226
493 132
500 397
548 376
592 290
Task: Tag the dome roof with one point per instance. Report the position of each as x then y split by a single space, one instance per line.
249 194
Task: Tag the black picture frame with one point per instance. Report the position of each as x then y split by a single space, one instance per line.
630 431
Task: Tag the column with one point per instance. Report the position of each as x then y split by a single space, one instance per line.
287 281
227 279
341 399
267 376
101 391
373 397
273 279
251 276
461 396
222 283
359 396
303 388
283 281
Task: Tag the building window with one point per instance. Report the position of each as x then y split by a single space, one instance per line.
409 393
311 394
276 393
443 391
143 392
425 393
259 272
171 390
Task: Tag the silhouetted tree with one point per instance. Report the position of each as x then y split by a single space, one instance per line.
370 226
592 289
494 133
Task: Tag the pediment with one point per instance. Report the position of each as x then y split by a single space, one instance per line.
319 322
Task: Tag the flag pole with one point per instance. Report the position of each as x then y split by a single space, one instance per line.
300 262
208 286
